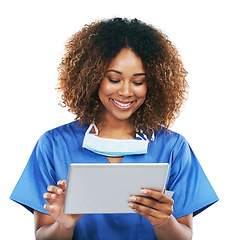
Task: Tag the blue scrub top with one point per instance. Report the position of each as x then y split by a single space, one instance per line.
59 147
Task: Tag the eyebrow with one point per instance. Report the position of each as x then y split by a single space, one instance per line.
136 74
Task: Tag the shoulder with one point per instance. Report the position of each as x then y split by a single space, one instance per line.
65 130
63 134
168 147
170 143
169 137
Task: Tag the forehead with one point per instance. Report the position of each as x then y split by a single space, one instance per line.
126 60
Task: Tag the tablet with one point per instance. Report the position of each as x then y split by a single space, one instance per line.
106 188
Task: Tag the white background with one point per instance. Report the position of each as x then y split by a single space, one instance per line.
206 33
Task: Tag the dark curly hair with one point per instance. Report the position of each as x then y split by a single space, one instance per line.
88 55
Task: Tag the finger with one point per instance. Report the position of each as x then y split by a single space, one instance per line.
49 208
50 197
54 189
153 220
154 216
150 202
161 197
146 210
62 184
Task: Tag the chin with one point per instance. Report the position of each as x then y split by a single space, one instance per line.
122 117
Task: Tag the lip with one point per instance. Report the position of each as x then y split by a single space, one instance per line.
123 105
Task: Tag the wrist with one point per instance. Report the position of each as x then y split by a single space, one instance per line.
67 228
172 229
164 224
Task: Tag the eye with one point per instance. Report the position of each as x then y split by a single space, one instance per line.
138 83
113 81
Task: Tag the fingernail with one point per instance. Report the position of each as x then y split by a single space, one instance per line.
130 205
59 191
53 195
62 182
144 191
132 198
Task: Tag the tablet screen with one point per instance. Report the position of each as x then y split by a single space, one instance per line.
106 188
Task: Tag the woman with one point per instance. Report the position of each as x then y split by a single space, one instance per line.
120 78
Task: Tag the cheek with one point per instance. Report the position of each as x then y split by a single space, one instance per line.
106 88
141 93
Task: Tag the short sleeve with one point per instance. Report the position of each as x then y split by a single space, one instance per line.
37 175
193 192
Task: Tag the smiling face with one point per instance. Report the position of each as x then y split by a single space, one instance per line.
124 87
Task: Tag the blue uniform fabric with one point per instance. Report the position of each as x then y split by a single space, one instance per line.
59 147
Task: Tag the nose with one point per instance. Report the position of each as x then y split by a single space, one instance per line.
125 89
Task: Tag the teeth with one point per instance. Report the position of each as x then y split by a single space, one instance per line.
122 104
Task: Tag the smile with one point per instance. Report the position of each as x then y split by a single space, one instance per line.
122 105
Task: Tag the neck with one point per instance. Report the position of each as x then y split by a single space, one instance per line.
116 129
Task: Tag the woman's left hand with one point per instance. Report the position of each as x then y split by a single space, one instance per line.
157 207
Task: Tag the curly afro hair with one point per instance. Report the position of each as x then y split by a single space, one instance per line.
88 55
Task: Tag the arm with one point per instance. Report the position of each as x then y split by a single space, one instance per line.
158 210
47 228
57 225
180 228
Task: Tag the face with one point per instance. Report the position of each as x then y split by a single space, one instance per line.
124 87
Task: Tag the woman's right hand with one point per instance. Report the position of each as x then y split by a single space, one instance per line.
56 197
